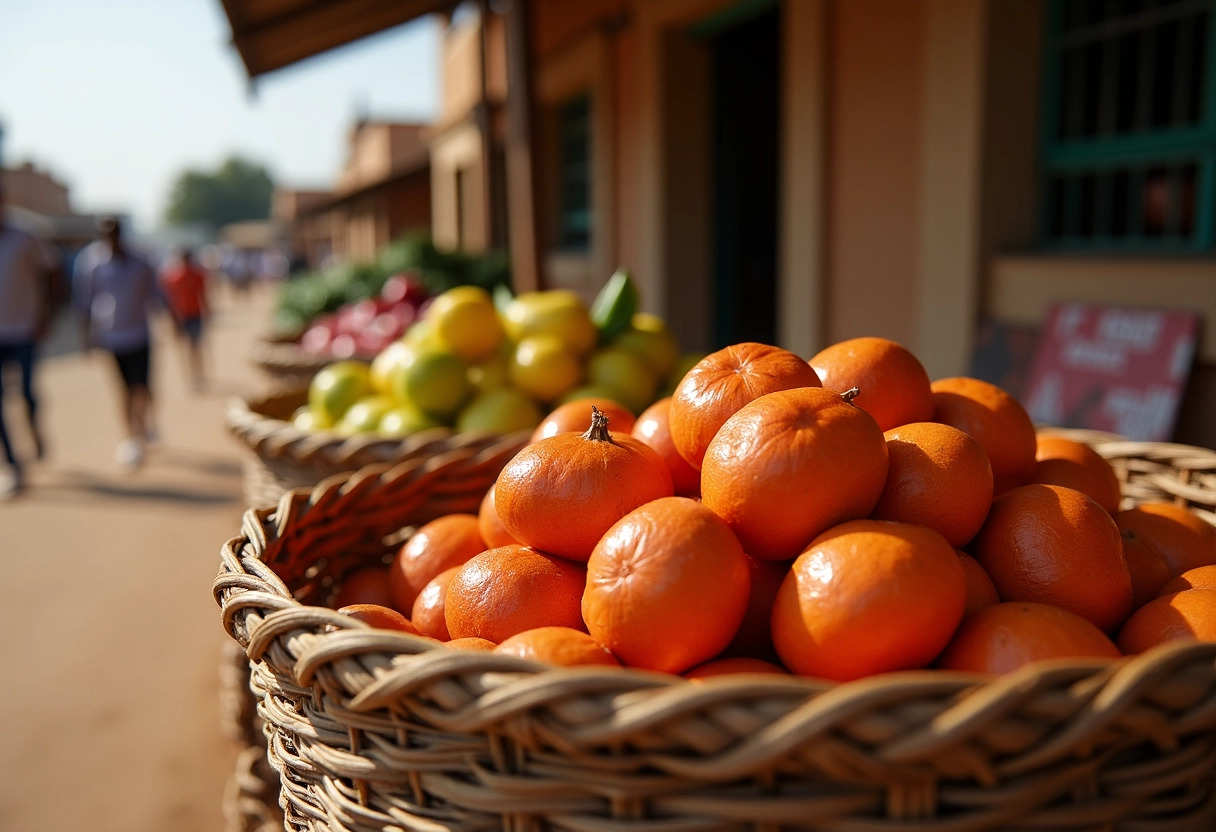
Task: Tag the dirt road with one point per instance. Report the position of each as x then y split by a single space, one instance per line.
109 638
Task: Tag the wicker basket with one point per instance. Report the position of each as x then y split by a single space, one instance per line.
375 730
282 457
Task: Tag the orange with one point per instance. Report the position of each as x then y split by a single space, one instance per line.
439 545
562 493
427 613
1182 538
937 476
385 618
507 590
557 645
993 418
724 667
365 586
893 385
868 596
723 382
1004 637
493 532
471 643
1184 616
654 428
1148 569
754 638
1054 545
980 591
1060 461
666 586
1201 577
790 465
572 416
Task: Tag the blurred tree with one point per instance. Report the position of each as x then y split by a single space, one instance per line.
238 190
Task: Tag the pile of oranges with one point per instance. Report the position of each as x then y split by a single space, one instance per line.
833 518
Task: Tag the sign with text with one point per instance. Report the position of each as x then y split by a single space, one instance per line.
1115 369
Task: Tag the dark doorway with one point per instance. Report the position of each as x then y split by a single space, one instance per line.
745 78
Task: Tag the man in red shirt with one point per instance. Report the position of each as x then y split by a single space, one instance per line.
184 285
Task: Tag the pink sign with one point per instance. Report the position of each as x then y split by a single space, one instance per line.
1115 369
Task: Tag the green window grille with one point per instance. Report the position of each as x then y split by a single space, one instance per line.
574 174
1129 125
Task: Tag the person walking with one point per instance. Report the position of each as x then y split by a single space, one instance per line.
28 278
184 286
113 290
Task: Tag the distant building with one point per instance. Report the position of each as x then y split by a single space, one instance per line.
382 192
38 202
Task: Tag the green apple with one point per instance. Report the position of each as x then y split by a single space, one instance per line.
335 389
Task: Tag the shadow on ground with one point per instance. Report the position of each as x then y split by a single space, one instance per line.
84 486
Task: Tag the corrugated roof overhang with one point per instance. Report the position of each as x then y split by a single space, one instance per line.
272 34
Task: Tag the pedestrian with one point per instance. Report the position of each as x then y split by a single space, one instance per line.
113 291
28 277
184 286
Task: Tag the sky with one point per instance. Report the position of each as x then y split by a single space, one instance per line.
116 98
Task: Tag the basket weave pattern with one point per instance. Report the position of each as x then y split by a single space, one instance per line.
371 729
286 362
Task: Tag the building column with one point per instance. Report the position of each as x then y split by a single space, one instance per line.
950 192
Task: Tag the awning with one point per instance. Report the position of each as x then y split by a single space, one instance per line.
272 34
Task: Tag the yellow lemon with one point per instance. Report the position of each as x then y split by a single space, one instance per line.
558 312
491 374
650 338
304 419
336 388
421 335
434 381
405 420
387 362
626 374
544 367
591 391
465 322
502 410
364 415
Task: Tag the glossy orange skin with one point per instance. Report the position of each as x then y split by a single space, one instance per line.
722 383
866 597
576 416
754 638
1182 538
981 592
439 545
365 586
561 494
472 643
427 613
1054 545
557 645
493 532
384 618
1201 577
507 590
1148 569
654 428
893 384
791 465
993 418
1060 461
937 476
1005 637
1184 616
666 586
726 667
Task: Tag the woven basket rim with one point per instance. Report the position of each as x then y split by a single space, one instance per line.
275 438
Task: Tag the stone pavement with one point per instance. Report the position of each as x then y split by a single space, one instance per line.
109 637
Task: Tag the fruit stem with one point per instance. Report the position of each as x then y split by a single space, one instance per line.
598 432
850 394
